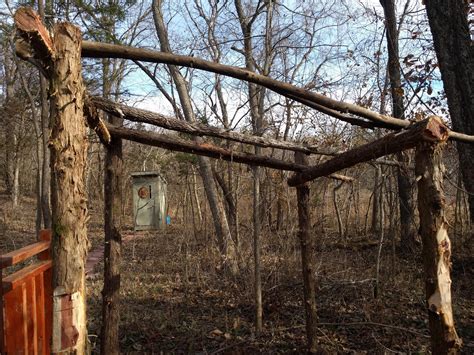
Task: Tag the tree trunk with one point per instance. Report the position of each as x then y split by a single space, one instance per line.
69 201
453 44
217 209
376 202
436 248
307 259
46 132
405 193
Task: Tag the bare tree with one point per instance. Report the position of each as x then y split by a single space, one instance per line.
221 224
453 44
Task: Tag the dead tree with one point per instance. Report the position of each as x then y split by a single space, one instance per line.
436 245
60 60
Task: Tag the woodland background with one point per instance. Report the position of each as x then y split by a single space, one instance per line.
175 295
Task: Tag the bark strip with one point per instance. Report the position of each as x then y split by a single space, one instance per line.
436 248
431 129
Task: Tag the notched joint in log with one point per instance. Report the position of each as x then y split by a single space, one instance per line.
95 122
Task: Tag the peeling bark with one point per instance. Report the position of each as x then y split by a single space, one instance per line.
436 248
69 203
60 60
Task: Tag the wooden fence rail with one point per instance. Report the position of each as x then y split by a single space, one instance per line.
26 300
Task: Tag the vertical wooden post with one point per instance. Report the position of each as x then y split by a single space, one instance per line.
436 246
113 245
307 258
69 204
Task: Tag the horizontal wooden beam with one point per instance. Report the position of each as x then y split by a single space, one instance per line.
209 150
431 129
105 50
17 278
206 149
17 256
195 128
335 108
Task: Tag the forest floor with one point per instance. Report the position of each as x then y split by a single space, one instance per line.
175 300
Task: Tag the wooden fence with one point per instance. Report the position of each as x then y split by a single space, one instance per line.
26 300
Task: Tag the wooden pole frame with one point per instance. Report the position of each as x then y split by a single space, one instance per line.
337 109
431 129
60 59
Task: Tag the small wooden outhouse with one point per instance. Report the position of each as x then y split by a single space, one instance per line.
149 200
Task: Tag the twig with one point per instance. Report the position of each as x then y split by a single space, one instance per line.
361 324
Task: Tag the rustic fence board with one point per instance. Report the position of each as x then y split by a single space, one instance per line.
26 300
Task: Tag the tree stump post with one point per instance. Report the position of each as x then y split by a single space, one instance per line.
429 170
307 258
68 146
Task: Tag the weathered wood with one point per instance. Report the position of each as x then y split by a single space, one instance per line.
36 44
195 128
429 170
113 181
19 255
431 129
95 122
206 149
68 146
105 50
307 259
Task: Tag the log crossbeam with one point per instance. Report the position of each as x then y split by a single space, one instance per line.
347 112
144 116
429 130
207 149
